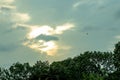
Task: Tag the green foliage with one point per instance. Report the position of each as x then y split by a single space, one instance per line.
92 76
117 56
87 66
20 71
39 69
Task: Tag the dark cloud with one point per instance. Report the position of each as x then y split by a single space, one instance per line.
117 15
91 28
7 48
47 37
108 28
113 29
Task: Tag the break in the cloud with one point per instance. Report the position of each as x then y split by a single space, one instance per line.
42 38
41 46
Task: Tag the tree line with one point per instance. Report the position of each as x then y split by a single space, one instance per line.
94 65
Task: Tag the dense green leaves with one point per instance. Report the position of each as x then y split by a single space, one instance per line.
39 69
86 66
117 56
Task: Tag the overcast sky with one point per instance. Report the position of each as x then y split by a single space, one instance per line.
53 30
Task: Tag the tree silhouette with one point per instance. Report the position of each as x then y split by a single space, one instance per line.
86 66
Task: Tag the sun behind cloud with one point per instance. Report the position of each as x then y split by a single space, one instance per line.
41 46
49 47
36 31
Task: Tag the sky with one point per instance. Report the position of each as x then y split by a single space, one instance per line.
53 30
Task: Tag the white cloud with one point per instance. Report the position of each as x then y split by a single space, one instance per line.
64 27
7 1
20 25
20 17
76 4
88 2
38 30
48 47
48 30
7 7
117 37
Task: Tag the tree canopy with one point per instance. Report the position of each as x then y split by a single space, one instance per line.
94 65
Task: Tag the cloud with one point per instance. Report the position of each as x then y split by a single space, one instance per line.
94 28
64 27
10 38
42 38
20 17
76 4
90 28
7 47
113 29
42 46
37 30
117 15
47 38
88 2
117 37
7 1
7 7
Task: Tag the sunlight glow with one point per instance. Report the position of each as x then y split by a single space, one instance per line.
36 31
51 48
48 47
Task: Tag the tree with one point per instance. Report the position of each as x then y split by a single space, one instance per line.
92 76
115 75
39 70
20 71
58 70
117 56
87 66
